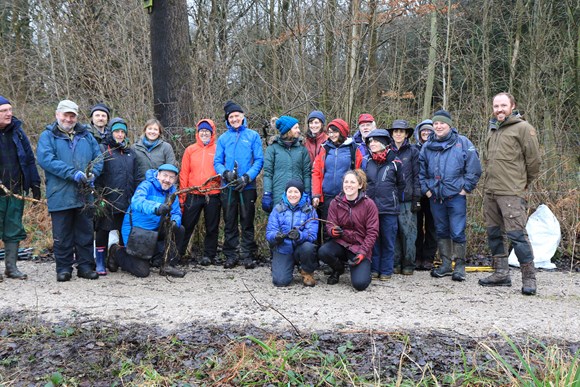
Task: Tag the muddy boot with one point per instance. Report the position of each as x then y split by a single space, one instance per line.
459 254
501 275
528 278
333 278
171 271
100 261
444 269
11 255
230 263
249 263
307 278
112 264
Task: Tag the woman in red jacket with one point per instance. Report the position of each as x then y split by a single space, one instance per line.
353 224
196 168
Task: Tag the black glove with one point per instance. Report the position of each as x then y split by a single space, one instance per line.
416 204
279 238
229 176
241 183
336 232
294 234
35 192
163 210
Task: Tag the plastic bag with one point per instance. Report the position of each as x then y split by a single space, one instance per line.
544 232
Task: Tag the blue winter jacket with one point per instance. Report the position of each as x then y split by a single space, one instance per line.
284 218
448 165
242 145
337 163
30 177
409 156
383 182
61 158
147 198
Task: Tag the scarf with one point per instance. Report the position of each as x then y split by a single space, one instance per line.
380 157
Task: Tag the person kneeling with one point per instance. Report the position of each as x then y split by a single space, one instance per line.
148 213
291 231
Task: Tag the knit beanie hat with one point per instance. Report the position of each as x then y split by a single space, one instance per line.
285 123
442 116
4 101
204 125
317 114
341 125
230 107
101 107
118 123
296 183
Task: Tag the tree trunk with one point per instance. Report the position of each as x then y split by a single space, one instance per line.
430 67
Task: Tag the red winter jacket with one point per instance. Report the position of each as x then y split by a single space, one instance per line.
197 164
314 144
359 221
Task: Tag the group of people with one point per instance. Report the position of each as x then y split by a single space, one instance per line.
373 202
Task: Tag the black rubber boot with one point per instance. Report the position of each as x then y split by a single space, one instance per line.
444 269
528 278
11 255
459 254
501 275
230 263
171 271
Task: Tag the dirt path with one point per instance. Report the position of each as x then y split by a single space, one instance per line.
217 296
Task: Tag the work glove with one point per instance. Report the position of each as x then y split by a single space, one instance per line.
267 202
229 176
294 234
416 204
35 192
336 232
80 177
354 261
163 210
241 183
279 238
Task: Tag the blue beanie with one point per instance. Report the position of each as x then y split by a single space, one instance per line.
204 125
285 123
442 116
317 114
168 167
4 101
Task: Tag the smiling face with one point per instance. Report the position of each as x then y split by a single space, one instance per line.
333 135
204 135
294 132
399 136
100 119
293 195
67 120
366 127
166 179
425 135
315 125
236 119
351 186
502 107
441 129
152 132
376 146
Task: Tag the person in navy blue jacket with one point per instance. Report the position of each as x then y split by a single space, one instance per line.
148 210
239 159
18 174
449 170
71 159
291 231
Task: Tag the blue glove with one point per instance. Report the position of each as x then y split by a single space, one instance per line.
267 202
80 177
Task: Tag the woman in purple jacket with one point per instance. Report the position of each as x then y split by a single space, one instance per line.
353 224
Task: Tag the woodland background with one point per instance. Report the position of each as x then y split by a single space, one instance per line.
395 59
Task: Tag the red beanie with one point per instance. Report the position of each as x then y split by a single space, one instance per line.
341 125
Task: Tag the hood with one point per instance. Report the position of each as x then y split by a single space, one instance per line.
418 130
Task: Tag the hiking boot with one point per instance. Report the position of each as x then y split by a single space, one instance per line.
230 263
63 276
459 254
384 277
172 271
112 264
249 263
407 271
333 278
375 275
528 278
205 261
87 274
307 278
10 257
445 254
501 275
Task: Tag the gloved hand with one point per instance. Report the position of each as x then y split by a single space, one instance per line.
35 192
294 234
336 232
162 210
91 179
267 202
279 238
356 259
416 204
80 177
229 176
241 183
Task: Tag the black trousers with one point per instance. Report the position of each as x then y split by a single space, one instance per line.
72 232
335 256
426 243
239 208
102 233
211 207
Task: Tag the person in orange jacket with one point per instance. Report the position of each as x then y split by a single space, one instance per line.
196 168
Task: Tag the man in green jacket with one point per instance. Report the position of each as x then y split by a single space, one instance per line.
512 164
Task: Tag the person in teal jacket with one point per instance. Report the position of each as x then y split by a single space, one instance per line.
239 159
71 159
286 158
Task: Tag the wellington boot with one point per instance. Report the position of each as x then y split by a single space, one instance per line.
459 254
307 278
100 261
172 271
501 275
528 278
444 269
11 255
333 278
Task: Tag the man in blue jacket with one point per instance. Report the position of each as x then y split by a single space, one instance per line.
71 159
18 174
239 159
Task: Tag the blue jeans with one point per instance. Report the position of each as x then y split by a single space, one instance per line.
283 264
384 248
450 216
